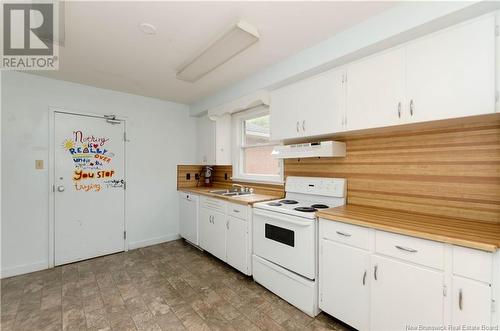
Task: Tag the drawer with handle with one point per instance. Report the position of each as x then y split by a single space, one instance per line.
215 204
425 252
353 235
237 210
473 263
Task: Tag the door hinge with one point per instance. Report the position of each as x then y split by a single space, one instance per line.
493 305
321 297
124 185
445 292
124 234
125 136
497 30
53 188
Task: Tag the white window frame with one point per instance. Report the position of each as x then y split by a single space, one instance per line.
238 134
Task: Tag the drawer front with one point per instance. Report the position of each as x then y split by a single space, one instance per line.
236 210
352 235
472 263
425 252
215 204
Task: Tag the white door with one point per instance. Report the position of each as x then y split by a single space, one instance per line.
284 113
236 243
452 73
321 104
471 303
376 90
212 232
404 295
89 178
345 283
188 227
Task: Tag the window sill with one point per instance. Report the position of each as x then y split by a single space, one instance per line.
258 180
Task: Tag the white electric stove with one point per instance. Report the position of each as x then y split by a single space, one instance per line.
285 257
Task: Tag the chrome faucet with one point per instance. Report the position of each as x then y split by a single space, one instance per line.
242 188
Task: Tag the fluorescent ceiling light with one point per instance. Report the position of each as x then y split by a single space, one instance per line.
237 39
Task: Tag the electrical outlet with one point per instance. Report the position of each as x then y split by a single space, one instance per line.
188 176
225 176
39 164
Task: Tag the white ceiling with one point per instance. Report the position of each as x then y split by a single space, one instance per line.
105 48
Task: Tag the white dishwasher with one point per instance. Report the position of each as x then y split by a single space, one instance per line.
188 220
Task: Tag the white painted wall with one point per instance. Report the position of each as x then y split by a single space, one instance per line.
397 25
161 136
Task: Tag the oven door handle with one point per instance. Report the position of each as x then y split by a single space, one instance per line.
289 219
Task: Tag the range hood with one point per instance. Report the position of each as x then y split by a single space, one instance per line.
314 149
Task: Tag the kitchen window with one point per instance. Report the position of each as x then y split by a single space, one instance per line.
252 159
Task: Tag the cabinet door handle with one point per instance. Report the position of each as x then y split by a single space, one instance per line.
297 126
406 249
304 125
399 109
343 234
460 299
375 271
411 107
364 278
236 210
227 225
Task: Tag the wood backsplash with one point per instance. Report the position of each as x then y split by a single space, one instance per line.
221 178
448 171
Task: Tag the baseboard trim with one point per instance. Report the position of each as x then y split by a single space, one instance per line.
23 269
153 241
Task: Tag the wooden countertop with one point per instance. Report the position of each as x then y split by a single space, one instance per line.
474 234
242 200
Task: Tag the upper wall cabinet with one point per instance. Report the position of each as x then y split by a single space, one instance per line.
451 73
447 74
376 90
214 140
310 107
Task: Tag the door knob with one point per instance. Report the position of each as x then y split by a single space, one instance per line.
60 188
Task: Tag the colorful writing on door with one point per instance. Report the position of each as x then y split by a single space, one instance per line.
92 162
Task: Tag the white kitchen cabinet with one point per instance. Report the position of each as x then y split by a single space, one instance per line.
212 232
344 285
223 232
451 73
236 243
471 302
213 140
404 294
188 220
376 90
311 107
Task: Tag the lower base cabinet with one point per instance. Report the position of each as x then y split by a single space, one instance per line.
236 241
471 302
381 281
404 295
224 235
345 288
212 225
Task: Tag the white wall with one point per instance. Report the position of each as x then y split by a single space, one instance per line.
161 136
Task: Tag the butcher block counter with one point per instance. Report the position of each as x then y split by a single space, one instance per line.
249 199
479 235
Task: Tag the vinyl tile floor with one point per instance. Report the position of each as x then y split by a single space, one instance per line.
170 286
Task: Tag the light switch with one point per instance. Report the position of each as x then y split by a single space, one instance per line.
38 164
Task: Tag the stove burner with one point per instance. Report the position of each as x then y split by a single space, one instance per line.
276 204
319 206
289 202
305 209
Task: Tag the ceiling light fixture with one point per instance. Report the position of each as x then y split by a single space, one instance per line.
147 28
234 41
